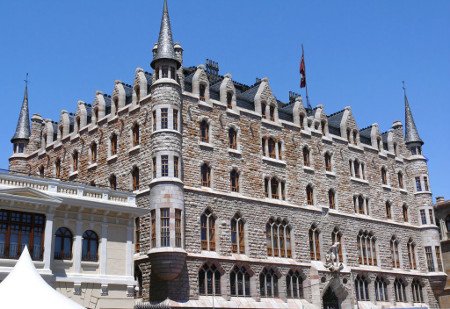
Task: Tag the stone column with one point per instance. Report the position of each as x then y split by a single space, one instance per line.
48 248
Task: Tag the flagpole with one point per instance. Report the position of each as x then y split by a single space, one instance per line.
306 83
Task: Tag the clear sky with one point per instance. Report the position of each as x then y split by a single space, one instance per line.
357 54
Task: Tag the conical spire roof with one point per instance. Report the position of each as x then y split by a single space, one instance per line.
165 48
23 124
411 134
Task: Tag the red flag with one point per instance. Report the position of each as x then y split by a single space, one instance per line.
302 72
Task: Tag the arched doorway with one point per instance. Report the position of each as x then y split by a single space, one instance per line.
330 300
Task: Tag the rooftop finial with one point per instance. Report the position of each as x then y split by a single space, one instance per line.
165 48
23 123
411 133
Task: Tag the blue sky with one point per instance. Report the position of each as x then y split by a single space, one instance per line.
357 54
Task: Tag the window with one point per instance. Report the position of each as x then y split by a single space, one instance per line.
418 184
206 175
384 176
405 213
135 135
154 167
234 180
278 236
425 183
175 119
367 249
20 229
113 145
272 112
164 166
208 231
430 260
232 138
63 244
202 92
135 178
237 235
430 213
204 131
306 156
175 166
263 110
395 255
58 168
361 288
423 217
336 237
328 166
331 199
240 281
154 120
388 210
314 243
164 118
178 228
90 246
417 293
113 182
437 249
399 290
309 195
137 235
229 99
165 227
209 280
75 161
412 254
401 185
153 227
381 289
294 285
93 152
268 283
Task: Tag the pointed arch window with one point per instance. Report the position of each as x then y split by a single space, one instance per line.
209 280
278 236
294 285
237 235
367 248
361 288
336 237
232 138
208 231
135 135
63 244
135 178
206 175
268 283
399 290
309 195
412 254
240 281
89 246
306 156
381 289
314 243
416 289
395 256
331 199
234 180
204 131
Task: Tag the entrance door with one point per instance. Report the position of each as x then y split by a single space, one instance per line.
330 300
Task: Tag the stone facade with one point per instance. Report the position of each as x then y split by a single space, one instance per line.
170 106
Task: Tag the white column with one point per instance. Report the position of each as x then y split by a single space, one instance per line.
129 250
102 252
77 245
48 240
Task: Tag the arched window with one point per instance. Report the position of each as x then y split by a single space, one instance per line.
405 213
204 131
75 161
384 180
399 289
237 235
271 148
336 237
41 171
361 288
388 210
395 256
278 236
229 99
417 293
206 175
232 138
202 90
234 180
208 231
367 248
240 281
135 135
113 145
268 283
412 254
93 149
306 156
401 185
63 244
381 289
309 195
314 243
58 168
294 285
209 280
328 165
113 182
331 199
90 246
135 178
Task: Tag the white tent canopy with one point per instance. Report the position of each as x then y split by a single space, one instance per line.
25 288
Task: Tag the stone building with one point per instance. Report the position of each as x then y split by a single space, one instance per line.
79 237
253 202
442 211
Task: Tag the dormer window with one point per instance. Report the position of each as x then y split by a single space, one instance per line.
202 92
229 99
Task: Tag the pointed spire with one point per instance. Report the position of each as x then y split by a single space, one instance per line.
23 124
411 134
165 48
